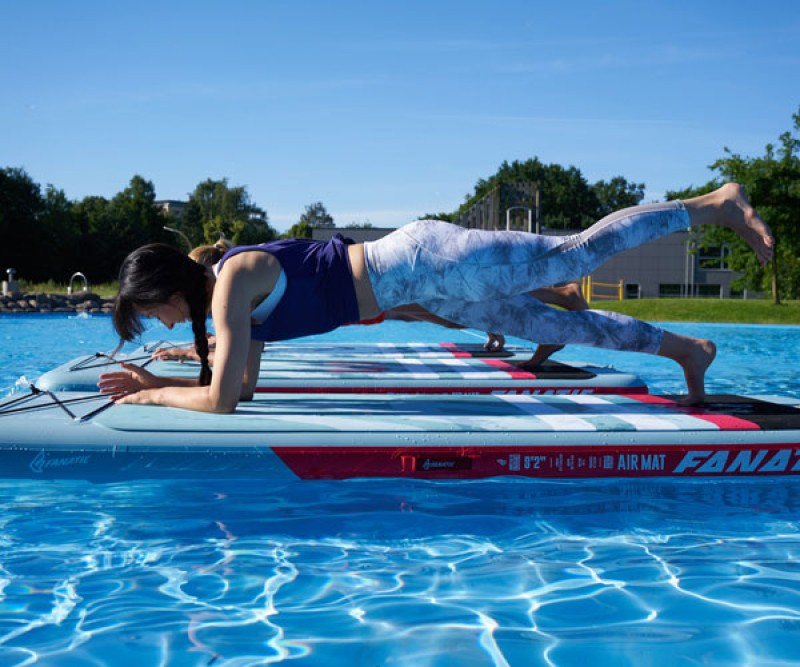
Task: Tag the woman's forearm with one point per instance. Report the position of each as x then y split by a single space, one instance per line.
187 397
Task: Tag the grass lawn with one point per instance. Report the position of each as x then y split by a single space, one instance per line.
52 287
706 310
754 311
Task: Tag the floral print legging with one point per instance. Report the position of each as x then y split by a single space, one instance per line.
481 279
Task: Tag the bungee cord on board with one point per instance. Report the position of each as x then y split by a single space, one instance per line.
8 408
22 403
110 358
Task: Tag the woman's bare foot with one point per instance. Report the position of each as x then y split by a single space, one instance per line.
694 356
695 366
729 207
542 354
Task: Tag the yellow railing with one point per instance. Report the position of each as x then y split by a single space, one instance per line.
613 291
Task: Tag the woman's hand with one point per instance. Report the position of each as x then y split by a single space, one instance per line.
185 353
144 397
176 354
127 383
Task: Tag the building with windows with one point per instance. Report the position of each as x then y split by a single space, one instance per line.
173 207
672 266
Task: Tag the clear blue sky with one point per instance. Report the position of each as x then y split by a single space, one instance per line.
387 110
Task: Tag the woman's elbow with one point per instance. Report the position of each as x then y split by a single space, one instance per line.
224 408
223 405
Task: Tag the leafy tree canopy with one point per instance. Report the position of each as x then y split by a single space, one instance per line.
772 182
21 206
299 230
568 201
316 215
216 210
47 236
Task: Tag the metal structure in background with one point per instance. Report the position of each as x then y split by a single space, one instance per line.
597 291
493 211
183 236
688 289
520 208
78 276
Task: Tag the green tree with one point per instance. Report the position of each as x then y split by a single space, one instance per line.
299 230
21 207
447 217
59 229
134 219
217 210
772 183
96 254
568 201
316 215
617 194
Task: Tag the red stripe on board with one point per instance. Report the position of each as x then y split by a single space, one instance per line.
652 398
455 390
600 461
453 349
513 371
722 422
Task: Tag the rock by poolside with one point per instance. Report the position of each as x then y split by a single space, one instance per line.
80 302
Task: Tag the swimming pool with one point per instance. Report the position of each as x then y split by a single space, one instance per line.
395 572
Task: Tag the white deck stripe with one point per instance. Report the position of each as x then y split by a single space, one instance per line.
416 367
471 371
548 413
648 422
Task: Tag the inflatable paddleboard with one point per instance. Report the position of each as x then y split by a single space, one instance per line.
446 368
336 436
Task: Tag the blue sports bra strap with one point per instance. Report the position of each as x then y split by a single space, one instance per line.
264 309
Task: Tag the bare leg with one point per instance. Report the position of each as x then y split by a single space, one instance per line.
694 356
728 207
413 312
568 297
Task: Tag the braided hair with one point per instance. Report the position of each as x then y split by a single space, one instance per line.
150 276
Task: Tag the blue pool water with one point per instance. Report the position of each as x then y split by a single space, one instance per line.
392 572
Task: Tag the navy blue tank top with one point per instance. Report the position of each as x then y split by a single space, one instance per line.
320 295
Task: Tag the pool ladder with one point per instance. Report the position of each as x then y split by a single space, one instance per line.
80 276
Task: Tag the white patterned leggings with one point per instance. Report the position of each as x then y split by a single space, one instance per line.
481 279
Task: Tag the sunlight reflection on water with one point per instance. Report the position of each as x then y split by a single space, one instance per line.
393 572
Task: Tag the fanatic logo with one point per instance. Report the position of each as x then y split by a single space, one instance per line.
43 461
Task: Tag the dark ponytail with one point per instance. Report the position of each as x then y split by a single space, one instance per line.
150 276
197 310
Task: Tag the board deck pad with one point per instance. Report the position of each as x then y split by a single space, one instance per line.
329 436
378 368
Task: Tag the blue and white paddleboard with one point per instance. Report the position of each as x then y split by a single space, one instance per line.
337 436
445 368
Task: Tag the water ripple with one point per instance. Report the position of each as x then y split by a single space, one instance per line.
533 578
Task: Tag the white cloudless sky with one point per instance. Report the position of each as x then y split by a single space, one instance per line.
384 110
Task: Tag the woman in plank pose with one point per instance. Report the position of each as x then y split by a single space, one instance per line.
292 288
568 297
